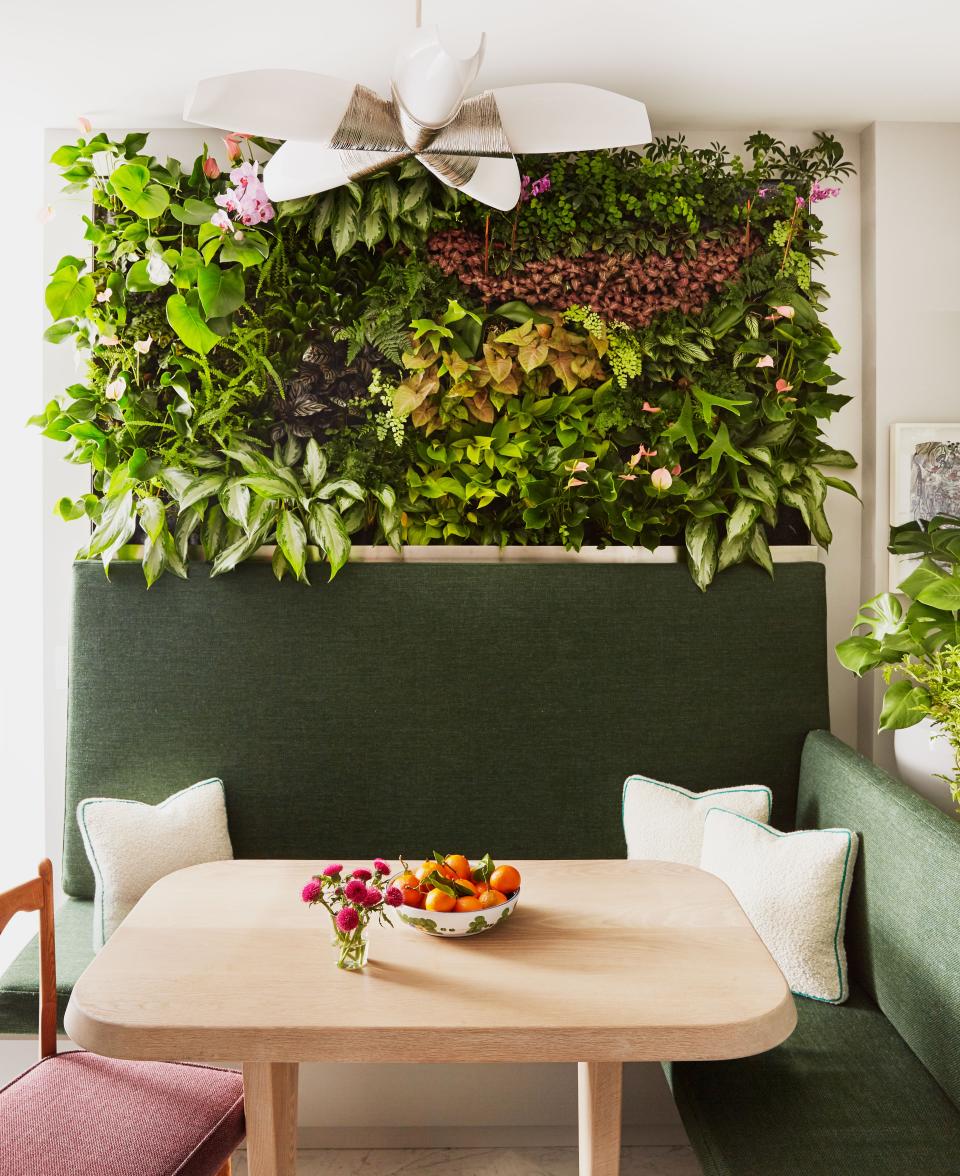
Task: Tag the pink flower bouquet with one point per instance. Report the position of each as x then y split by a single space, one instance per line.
351 900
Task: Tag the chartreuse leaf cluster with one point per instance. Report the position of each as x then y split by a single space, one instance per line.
913 635
219 410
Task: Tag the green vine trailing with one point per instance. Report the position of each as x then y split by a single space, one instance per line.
633 355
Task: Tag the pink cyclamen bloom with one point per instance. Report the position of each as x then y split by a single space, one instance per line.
648 407
662 479
312 889
576 482
84 124
765 361
355 890
332 871
347 919
363 875
763 193
394 896
211 169
783 386
800 202
380 866
372 897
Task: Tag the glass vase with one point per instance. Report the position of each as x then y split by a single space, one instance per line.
352 948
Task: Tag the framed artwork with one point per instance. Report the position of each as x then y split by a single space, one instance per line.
924 480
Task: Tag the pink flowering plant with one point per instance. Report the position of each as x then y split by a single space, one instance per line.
351 899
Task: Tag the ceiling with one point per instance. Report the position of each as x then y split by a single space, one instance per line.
837 64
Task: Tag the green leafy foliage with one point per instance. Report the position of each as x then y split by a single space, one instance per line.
449 415
917 647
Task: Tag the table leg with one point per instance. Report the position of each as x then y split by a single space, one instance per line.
270 1105
600 1095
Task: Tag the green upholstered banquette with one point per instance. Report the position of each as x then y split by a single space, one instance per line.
403 707
872 1087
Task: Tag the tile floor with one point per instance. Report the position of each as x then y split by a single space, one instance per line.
555 1161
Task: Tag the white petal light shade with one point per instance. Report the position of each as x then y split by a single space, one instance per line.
431 82
564 116
336 132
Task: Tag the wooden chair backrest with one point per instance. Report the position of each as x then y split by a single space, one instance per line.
37 895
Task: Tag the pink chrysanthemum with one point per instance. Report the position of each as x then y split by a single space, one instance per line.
394 896
332 871
363 875
355 890
311 890
348 919
372 896
381 866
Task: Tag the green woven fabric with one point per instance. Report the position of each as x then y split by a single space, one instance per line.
844 1096
20 983
903 922
405 707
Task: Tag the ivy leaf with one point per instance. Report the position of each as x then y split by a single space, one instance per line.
721 447
69 293
292 541
221 290
903 705
186 318
328 531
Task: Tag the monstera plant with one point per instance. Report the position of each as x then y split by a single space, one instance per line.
915 642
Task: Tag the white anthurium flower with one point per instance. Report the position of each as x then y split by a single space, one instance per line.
46 214
157 270
108 340
105 295
115 389
142 346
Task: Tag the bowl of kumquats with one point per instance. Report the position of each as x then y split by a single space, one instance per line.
450 896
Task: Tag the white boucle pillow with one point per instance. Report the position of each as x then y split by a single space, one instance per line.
794 889
132 845
664 823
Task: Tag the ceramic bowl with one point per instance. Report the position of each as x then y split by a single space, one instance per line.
454 924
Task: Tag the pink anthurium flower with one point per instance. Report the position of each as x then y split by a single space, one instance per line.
576 482
661 478
142 346
108 340
783 386
641 452
115 389
46 214
676 471
648 407
84 124
627 477
765 361
580 466
232 144
787 312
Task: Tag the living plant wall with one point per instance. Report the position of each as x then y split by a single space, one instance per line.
634 355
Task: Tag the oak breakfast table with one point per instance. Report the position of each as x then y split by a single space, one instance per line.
603 962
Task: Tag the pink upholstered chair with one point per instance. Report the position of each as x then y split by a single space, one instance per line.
78 1114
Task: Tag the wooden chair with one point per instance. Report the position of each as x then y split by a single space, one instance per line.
78 1114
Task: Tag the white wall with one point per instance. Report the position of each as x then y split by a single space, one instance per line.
911 319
